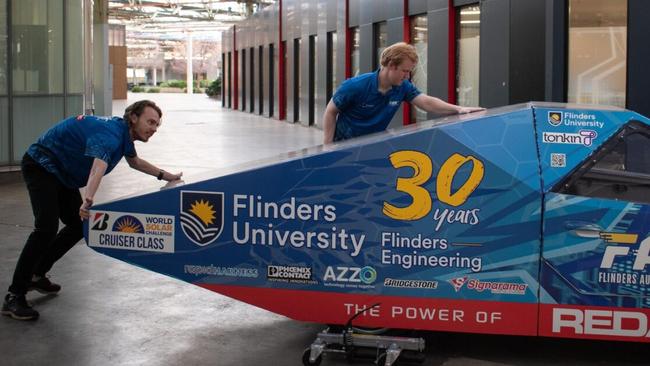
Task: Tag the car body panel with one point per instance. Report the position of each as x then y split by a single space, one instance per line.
439 226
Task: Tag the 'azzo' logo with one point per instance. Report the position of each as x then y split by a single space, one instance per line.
365 275
202 216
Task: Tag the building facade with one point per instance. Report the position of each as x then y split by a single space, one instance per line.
286 60
41 55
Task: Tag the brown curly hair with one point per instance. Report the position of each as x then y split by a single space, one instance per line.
138 107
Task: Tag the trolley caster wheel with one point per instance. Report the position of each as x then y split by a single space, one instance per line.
307 362
381 360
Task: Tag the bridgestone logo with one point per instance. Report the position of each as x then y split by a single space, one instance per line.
289 273
390 282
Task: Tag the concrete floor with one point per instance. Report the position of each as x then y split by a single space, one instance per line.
112 313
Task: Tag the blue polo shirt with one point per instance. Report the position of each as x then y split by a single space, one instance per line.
363 109
68 149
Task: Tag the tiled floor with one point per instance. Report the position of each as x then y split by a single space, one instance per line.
111 313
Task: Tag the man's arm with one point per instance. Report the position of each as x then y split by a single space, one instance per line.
438 106
148 168
94 178
329 122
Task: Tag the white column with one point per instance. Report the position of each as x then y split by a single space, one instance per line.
89 104
155 71
190 85
102 83
162 73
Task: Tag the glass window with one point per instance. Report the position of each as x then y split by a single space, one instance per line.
282 102
419 38
331 45
251 78
243 80
619 169
273 57
37 46
228 80
3 47
381 42
355 51
313 58
74 44
260 80
467 59
297 80
597 51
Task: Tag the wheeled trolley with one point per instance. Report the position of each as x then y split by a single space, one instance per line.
384 349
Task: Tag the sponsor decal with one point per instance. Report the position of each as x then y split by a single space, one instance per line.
599 322
458 282
558 160
583 137
497 288
202 216
354 277
99 221
128 224
621 254
292 274
251 226
395 245
130 231
421 284
394 103
572 119
212 270
555 118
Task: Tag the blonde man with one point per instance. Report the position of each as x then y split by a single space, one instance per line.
367 103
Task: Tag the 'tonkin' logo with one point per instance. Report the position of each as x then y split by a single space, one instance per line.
583 137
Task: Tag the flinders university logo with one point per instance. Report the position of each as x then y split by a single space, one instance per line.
202 216
555 118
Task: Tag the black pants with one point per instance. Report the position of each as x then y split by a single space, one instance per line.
51 201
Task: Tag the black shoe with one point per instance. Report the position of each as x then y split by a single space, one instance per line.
44 286
16 306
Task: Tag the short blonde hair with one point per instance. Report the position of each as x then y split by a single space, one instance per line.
396 53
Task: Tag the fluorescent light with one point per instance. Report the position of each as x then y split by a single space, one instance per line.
470 21
470 12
